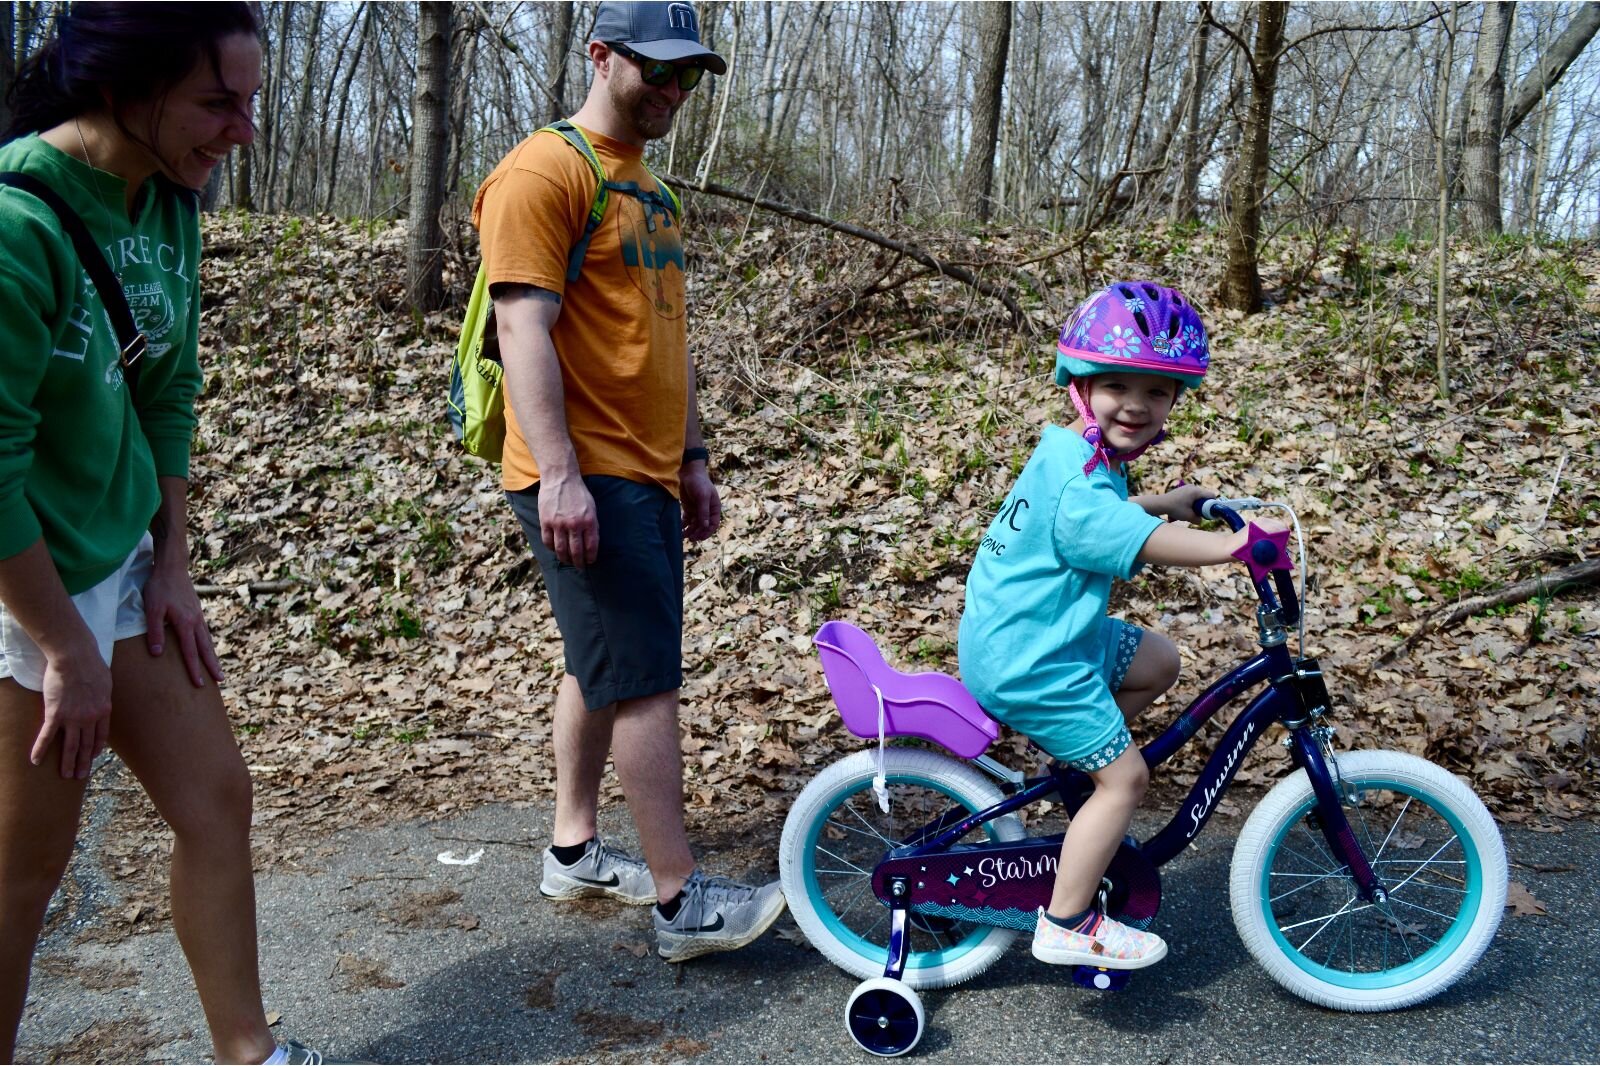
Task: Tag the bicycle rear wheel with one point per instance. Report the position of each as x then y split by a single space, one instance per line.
836 834
1430 840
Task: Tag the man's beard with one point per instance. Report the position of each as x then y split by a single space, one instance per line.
630 104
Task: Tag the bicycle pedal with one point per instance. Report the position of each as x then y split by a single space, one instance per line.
1099 979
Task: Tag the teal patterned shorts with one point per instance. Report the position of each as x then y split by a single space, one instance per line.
1121 642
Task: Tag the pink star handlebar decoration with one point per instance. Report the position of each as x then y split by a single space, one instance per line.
1264 552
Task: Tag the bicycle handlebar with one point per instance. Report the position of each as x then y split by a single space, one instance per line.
1286 603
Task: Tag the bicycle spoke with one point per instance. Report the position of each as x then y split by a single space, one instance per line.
854 869
1393 829
1426 910
1326 921
1319 879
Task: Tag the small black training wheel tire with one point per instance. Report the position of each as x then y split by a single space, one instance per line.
884 1016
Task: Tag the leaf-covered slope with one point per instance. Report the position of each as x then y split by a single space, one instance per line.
389 647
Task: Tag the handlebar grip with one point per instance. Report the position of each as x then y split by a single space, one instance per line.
1213 508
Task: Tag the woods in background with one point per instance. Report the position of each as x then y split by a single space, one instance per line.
1253 116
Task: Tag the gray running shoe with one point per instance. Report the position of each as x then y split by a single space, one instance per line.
716 914
297 1054
603 871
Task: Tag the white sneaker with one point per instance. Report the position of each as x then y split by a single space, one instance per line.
603 871
1108 944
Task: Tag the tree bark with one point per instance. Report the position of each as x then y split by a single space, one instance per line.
988 91
1486 97
1241 280
244 193
430 139
1186 205
556 59
1552 64
8 63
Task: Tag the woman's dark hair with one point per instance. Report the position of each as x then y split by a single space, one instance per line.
112 48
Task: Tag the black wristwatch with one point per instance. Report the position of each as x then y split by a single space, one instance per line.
691 454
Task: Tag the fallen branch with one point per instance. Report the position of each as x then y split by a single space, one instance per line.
1544 585
1019 317
255 588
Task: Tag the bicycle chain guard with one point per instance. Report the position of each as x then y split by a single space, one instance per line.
1006 882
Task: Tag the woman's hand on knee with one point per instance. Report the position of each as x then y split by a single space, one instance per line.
77 707
170 602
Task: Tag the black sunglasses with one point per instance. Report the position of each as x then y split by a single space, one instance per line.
658 72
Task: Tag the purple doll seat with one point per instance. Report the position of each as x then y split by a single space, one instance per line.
932 706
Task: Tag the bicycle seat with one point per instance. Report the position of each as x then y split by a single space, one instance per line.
930 705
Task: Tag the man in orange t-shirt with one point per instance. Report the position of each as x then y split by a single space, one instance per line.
602 443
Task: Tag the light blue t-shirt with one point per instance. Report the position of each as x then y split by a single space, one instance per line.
1031 637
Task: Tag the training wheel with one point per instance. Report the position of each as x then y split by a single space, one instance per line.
1099 978
884 1016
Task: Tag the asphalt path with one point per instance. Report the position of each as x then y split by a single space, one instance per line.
376 949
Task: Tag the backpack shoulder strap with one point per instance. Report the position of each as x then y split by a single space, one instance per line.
669 195
597 210
115 301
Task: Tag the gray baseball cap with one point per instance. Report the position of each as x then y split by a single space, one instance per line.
667 31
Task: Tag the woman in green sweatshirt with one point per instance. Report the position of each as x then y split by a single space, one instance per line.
123 113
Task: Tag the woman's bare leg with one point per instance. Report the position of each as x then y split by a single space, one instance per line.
178 742
39 812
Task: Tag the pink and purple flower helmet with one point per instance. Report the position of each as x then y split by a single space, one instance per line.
1135 327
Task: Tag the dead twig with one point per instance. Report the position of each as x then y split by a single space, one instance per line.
1544 585
255 588
1019 317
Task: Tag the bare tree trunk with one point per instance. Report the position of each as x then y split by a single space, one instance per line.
244 192
302 110
725 93
1241 280
988 92
464 63
1486 97
556 58
8 63
364 14
430 141
1553 63
1442 240
273 98
1185 206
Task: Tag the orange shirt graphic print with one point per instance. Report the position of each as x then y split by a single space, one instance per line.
651 244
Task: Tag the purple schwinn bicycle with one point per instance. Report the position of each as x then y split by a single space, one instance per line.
1363 881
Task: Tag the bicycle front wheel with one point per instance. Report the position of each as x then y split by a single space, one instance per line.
1429 839
836 834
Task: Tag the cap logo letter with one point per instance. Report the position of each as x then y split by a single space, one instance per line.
681 17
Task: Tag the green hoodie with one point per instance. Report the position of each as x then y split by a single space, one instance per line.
78 461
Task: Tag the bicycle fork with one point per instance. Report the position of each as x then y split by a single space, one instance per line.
1307 747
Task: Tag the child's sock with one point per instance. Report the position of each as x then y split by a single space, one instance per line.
1077 923
279 1056
567 854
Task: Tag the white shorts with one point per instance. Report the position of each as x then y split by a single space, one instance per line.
113 610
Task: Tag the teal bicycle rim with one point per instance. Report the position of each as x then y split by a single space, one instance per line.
848 936
1412 968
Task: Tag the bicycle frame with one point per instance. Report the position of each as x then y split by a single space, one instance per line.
1295 697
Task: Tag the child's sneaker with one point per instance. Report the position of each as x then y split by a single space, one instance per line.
1108 944
716 914
603 871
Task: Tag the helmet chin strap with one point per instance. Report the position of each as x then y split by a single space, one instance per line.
1092 433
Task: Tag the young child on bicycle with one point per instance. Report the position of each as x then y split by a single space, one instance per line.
1037 647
